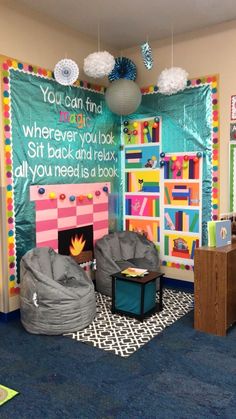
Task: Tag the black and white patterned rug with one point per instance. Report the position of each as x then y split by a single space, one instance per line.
124 335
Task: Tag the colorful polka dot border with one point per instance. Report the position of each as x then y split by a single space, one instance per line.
6 98
212 81
39 71
177 265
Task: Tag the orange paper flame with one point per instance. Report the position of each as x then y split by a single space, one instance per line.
77 245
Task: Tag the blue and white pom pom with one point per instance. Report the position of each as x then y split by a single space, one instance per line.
124 69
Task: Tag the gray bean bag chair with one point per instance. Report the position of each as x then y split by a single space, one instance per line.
117 251
56 295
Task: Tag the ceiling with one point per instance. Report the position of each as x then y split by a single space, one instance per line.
126 23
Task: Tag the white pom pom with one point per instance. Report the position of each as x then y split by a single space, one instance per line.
172 80
99 64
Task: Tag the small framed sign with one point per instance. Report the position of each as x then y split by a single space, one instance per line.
233 108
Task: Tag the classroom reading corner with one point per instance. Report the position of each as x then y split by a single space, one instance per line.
117 209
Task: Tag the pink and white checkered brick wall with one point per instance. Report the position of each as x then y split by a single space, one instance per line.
56 214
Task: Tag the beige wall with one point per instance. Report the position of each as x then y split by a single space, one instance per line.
206 52
35 39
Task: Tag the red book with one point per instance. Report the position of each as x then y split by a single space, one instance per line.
180 254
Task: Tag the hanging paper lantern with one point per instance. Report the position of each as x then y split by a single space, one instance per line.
105 188
62 196
52 195
123 97
99 64
172 80
72 198
146 52
66 72
124 69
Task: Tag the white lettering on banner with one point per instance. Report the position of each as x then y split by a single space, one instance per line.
46 133
50 96
96 138
74 103
60 153
79 171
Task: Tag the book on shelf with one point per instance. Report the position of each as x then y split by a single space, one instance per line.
134 272
219 233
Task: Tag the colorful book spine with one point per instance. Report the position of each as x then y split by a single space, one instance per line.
157 207
167 195
196 169
144 203
166 170
166 245
185 170
128 207
211 230
169 221
133 155
180 254
194 222
176 221
150 188
191 169
185 222
148 135
180 220
170 171
193 248
133 165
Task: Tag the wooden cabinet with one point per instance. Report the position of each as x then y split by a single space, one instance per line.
215 289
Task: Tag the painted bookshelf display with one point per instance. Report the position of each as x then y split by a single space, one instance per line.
142 177
180 203
162 193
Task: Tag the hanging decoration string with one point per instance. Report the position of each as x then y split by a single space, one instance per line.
99 64
98 36
173 79
172 47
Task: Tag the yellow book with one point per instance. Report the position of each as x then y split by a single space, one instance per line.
134 272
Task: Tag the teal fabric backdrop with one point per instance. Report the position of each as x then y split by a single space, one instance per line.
186 126
60 135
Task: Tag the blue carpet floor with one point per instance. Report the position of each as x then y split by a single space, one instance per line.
181 373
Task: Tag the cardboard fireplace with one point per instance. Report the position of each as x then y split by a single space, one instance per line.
71 217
